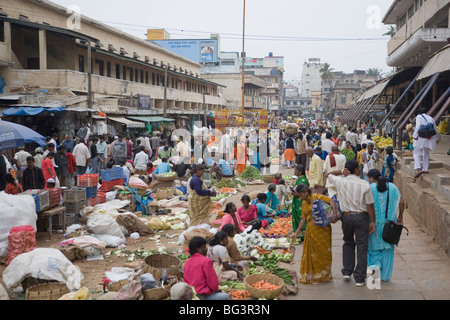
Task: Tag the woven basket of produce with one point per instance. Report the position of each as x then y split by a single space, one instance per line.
268 178
164 193
166 177
156 263
267 286
46 291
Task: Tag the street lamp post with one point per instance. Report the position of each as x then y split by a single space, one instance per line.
243 62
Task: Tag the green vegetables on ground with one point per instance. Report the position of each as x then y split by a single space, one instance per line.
251 172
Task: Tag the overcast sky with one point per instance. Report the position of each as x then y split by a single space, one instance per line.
347 34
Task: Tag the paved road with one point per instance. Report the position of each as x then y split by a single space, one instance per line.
421 272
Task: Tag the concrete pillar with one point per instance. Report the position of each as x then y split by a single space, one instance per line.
7 36
42 49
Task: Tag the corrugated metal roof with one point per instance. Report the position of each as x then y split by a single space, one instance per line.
439 62
127 122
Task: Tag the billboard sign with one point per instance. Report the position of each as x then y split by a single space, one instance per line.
196 50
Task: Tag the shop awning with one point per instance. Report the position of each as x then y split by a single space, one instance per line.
127 122
151 119
31 111
439 62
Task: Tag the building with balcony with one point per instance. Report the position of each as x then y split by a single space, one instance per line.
90 67
422 28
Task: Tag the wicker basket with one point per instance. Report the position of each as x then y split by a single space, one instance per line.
46 291
117 285
268 178
156 263
263 293
155 294
164 193
167 179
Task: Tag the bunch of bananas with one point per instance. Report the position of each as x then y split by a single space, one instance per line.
443 127
382 142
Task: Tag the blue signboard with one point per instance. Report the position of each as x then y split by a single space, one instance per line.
196 50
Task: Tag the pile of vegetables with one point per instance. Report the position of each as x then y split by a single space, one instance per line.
219 197
285 274
349 154
239 294
168 174
231 285
263 284
282 227
226 183
270 261
227 190
251 172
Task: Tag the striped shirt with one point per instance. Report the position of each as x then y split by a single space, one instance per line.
353 193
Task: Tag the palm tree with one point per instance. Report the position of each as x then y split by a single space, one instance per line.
375 72
326 72
391 31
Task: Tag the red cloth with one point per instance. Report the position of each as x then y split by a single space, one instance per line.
332 160
72 163
199 273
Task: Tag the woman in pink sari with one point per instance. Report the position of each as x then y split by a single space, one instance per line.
248 212
232 218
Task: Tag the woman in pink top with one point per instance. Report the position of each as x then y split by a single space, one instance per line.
248 212
232 218
200 274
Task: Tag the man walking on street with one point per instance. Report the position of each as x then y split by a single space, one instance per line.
119 150
356 202
315 171
33 177
422 143
82 157
62 165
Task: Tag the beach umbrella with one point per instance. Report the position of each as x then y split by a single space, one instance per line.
13 135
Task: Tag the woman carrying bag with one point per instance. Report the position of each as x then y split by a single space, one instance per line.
387 202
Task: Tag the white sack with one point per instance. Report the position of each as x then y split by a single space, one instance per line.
15 210
100 223
45 264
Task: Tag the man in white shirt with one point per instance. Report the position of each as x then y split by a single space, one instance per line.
335 161
141 159
423 145
226 145
327 144
358 219
82 157
183 150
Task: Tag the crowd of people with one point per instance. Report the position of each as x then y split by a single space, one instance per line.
336 164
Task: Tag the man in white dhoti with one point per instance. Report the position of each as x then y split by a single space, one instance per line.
423 146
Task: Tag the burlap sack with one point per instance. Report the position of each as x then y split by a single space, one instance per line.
198 232
134 224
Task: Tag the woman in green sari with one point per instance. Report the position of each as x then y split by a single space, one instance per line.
299 171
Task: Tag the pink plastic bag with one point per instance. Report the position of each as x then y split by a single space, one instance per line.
21 239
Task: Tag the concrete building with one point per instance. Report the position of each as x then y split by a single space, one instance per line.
310 79
422 28
90 67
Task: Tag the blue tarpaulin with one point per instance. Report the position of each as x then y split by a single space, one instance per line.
30 111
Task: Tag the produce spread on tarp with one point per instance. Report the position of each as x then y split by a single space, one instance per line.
105 219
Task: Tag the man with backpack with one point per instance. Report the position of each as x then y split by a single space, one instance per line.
424 140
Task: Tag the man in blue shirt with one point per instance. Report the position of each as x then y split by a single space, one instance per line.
163 167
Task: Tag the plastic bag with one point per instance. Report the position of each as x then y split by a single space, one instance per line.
148 281
21 239
131 291
16 210
111 241
103 224
322 213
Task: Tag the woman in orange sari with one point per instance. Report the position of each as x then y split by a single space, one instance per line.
316 261
241 155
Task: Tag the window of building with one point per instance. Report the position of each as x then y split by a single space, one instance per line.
130 70
101 66
402 21
108 69
81 63
117 71
2 31
124 73
411 12
136 75
142 76
146 77
157 79
153 79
